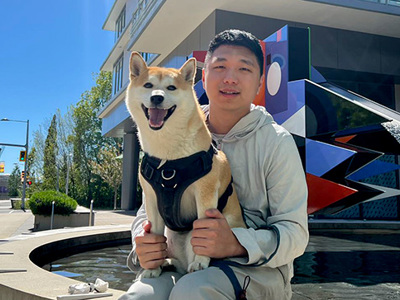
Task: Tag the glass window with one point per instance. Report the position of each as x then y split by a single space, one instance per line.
117 75
120 24
148 57
394 2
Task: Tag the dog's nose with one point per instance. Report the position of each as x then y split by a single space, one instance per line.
156 99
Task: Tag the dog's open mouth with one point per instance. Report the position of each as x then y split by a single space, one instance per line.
157 116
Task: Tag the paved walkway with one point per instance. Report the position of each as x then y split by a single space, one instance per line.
15 222
341 261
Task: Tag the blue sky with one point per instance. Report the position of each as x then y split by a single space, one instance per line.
49 51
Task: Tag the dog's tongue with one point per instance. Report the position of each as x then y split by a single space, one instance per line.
156 116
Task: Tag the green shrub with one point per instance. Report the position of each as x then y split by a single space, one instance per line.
40 203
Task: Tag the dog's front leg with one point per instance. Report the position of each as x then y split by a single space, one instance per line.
204 201
157 225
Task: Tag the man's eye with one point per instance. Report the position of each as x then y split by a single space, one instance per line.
245 69
148 85
219 67
171 88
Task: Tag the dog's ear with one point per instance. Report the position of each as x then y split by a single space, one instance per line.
137 65
188 70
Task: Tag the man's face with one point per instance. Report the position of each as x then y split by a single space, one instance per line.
231 78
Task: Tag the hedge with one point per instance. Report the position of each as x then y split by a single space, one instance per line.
40 203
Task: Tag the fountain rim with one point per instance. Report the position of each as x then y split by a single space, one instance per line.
30 251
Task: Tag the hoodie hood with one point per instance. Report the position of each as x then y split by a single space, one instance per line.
257 117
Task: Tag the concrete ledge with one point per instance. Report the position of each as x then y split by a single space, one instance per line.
43 247
80 217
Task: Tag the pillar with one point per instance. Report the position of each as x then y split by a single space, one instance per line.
130 165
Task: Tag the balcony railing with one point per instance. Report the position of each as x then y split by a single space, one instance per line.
143 15
142 5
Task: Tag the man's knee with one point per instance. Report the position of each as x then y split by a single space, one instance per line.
139 291
152 288
186 288
202 285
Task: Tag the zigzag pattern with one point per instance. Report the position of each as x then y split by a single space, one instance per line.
339 134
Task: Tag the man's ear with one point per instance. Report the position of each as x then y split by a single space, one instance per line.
188 70
136 65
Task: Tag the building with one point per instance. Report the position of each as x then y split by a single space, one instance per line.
354 43
4 186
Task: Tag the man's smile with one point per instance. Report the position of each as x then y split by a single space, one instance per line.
229 92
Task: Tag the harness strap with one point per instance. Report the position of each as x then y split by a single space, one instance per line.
225 266
240 293
223 200
171 180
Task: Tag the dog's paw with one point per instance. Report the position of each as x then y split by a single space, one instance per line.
154 273
200 263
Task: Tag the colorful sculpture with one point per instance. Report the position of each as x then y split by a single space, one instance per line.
339 134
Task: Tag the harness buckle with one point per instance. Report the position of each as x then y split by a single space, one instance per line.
148 172
166 176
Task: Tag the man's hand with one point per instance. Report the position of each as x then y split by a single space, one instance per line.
151 248
213 237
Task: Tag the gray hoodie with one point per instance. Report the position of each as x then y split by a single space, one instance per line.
270 182
271 187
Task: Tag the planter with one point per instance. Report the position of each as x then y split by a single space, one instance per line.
17 202
80 217
14 202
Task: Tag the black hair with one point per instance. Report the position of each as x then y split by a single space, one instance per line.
236 37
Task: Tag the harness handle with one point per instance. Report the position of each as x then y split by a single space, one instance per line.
166 177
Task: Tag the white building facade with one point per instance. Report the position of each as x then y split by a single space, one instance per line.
354 43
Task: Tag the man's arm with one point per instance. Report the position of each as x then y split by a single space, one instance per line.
287 202
148 250
287 198
151 249
214 238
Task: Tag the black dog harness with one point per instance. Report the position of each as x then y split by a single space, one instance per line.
171 179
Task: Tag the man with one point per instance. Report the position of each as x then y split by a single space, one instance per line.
269 180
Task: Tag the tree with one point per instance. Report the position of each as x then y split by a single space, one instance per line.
87 140
35 162
14 182
109 168
50 169
31 172
65 127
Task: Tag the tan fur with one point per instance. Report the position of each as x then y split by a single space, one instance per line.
182 134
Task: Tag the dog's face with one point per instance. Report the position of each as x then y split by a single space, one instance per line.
155 95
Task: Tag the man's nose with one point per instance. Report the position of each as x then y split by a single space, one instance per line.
230 77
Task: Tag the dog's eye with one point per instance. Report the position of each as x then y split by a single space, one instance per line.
148 85
171 88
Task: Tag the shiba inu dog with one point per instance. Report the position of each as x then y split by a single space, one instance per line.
177 144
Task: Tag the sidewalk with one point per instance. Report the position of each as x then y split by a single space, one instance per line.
357 260
16 222
19 275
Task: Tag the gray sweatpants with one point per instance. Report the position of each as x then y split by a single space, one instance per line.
211 284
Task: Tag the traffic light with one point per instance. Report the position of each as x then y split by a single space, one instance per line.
22 155
22 176
29 181
1 166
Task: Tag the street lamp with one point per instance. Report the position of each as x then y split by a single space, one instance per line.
26 146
